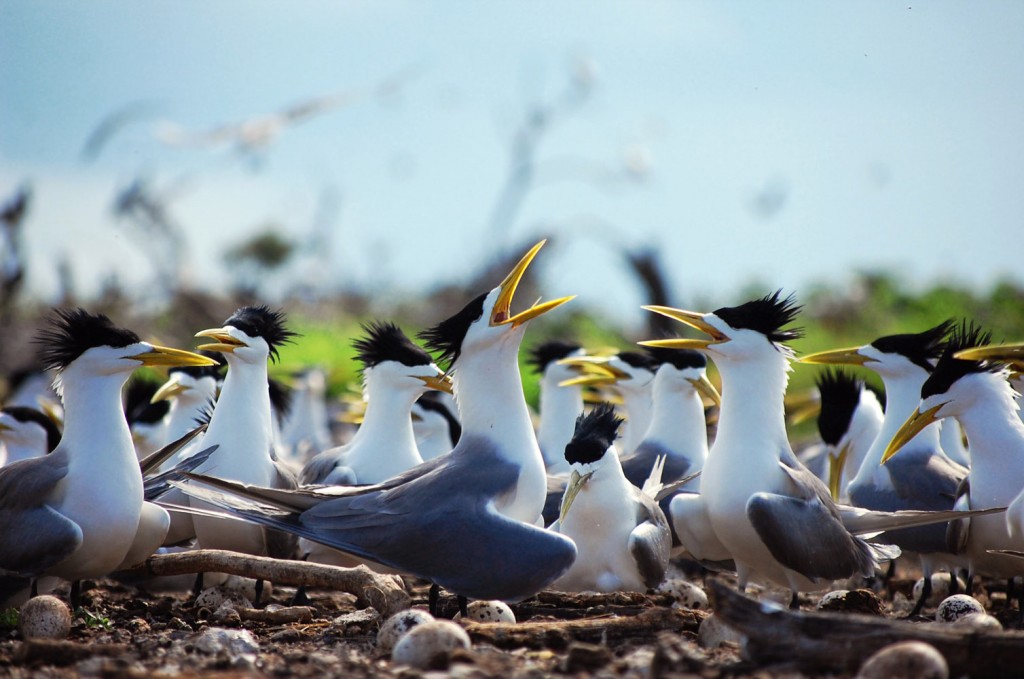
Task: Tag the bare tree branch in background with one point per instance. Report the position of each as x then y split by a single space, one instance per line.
12 252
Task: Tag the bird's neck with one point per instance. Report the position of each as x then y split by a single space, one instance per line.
244 402
752 404
677 419
388 423
181 418
996 436
637 404
560 406
94 418
902 396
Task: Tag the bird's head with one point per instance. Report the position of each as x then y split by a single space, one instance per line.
253 334
21 426
892 355
684 369
741 332
589 449
951 388
388 354
630 371
487 319
545 359
95 346
192 382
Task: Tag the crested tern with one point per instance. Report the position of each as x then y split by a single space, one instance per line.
25 433
559 405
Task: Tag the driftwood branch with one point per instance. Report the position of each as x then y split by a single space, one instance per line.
384 593
643 627
832 642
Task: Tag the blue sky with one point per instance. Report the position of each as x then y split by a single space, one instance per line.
890 135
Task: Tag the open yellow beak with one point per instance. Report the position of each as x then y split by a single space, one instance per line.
848 356
223 341
706 389
439 383
997 352
576 483
914 424
158 356
502 314
168 390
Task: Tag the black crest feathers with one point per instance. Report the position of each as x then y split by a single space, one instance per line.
74 331
595 432
948 369
262 321
766 315
544 354
920 348
638 359
840 394
445 338
387 342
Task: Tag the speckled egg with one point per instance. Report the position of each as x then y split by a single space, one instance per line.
214 598
957 606
44 617
428 646
490 611
395 627
979 622
940 588
684 594
905 660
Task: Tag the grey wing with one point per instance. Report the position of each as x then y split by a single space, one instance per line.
804 536
637 467
321 466
650 543
34 536
958 530
925 481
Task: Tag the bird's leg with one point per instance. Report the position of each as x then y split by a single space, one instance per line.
301 598
926 591
34 589
969 589
954 581
794 602
463 606
76 595
259 593
197 588
432 598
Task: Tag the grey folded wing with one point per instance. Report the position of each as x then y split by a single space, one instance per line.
650 543
33 535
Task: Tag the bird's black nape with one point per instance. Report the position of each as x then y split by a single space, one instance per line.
949 369
595 432
919 348
23 414
386 342
262 321
840 394
638 359
198 371
680 358
74 331
766 315
445 338
546 353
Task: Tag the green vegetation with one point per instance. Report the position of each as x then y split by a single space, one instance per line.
9 618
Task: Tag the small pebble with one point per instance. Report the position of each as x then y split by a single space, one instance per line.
851 601
429 645
395 627
979 622
44 617
489 611
685 594
712 633
905 660
957 606
234 642
940 588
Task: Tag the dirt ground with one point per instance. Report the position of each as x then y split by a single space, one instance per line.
131 632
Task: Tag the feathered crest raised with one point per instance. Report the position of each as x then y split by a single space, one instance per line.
948 370
767 315
546 353
445 339
262 321
595 432
840 394
71 332
920 348
386 342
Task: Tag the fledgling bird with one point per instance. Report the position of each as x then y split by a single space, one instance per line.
50 520
395 373
464 521
622 537
25 433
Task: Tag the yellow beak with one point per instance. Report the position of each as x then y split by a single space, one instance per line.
706 389
914 424
439 383
575 485
159 356
223 343
502 314
848 356
998 352
694 319
835 470
168 390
